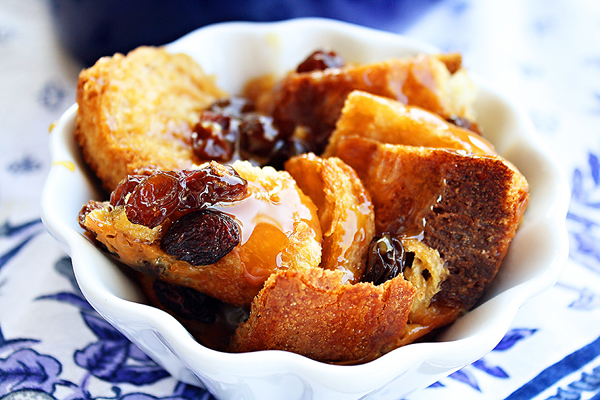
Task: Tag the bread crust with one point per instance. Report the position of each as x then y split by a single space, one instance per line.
344 208
291 241
138 111
390 121
313 100
312 313
467 207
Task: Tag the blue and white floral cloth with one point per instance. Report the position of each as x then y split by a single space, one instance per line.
543 53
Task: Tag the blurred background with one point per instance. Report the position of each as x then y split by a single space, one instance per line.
94 28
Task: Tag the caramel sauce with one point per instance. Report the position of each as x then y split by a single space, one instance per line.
416 202
470 141
429 319
477 143
267 222
420 69
356 217
67 164
261 254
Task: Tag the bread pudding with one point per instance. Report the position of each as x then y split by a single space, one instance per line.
339 213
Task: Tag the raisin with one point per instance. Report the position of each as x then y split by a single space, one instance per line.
201 237
258 136
286 149
464 123
320 60
150 199
386 259
214 137
233 123
126 186
154 199
186 302
211 184
86 209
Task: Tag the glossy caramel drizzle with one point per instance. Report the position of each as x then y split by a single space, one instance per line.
471 141
267 222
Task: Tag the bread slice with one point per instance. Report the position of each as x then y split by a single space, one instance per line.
466 207
312 101
389 121
279 227
312 313
139 110
344 208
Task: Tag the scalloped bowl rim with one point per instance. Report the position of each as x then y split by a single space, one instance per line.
467 340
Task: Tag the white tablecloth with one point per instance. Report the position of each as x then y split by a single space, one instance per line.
543 53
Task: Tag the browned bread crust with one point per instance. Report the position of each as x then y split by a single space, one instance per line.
389 121
313 100
139 110
293 238
311 313
344 208
464 206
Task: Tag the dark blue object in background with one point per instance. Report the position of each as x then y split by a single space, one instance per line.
90 29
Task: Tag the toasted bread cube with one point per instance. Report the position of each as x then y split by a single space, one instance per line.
390 121
344 208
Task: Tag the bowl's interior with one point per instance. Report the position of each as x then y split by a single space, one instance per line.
235 52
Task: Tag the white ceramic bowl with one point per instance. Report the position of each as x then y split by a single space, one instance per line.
236 52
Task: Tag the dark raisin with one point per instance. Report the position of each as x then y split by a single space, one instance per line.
201 237
320 60
126 186
214 137
211 184
186 302
86 209
258 136
463 123
286 149
150 199
386 259
154 199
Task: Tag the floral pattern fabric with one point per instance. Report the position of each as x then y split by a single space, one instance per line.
545 54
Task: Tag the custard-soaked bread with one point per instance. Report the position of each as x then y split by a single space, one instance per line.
390 121
312 101
138 110
466 207
278 226
312 313
344 208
